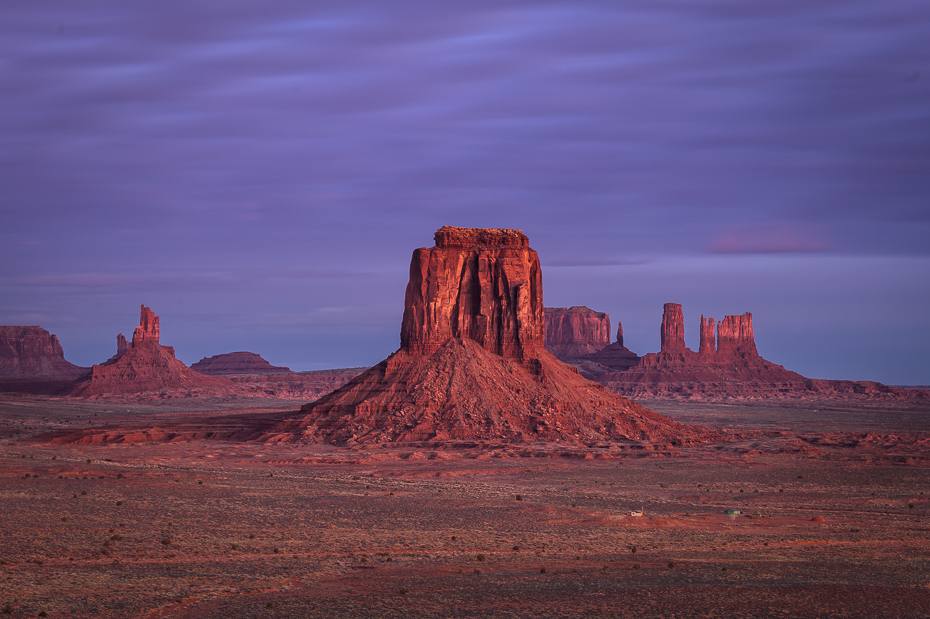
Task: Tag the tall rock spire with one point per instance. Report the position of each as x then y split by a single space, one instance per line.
673 328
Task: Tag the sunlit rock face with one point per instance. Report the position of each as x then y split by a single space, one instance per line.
484 285
472 363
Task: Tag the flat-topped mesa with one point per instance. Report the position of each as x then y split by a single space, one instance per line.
673 328
147 331
483 285
576 331
708 341
734 335
33 352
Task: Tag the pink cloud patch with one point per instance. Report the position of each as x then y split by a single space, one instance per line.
771 238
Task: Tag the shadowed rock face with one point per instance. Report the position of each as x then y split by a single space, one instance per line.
236 363
708 346
472 365
576 331
145 366
482 285
33 352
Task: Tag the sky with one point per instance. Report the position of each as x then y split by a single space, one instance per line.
260 173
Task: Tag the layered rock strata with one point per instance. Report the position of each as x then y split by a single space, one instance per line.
32 352
145 366
472 365
576 331
236 363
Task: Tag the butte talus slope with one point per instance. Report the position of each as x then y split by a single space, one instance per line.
472 365
145 365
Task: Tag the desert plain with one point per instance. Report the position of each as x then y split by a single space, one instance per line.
833 495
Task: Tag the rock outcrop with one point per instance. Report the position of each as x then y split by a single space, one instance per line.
735 336
32 352
236 363
673 328
708 341
472 365
145 366
613 357
576 331
729 368
482 285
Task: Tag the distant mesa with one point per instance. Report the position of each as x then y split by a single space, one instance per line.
581 337
236 363
472 363
32 352
727 364
145 365
576 331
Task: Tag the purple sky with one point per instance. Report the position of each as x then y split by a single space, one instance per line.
259 173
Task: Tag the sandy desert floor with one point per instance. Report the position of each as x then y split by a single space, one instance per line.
835 520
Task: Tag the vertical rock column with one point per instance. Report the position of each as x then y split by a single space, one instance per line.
708 346
673 328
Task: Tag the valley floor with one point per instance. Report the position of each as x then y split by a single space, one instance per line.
834 522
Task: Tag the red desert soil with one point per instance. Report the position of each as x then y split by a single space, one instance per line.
210 528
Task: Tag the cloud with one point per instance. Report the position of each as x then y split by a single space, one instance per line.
771 238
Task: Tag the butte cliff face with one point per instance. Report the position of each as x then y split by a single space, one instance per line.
145 365
576 331
236 363
483 285
472 365
33 352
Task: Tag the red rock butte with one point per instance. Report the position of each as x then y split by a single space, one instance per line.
33 352
144 366
472 364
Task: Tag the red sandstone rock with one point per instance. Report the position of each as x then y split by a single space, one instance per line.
708 346
33 352
619 333
147 331
735 336
472 364
145 366
673 328
576 331
236 363
483 285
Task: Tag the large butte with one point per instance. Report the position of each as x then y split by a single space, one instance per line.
472 366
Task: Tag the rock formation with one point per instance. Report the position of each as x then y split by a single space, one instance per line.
481 285
708 345
145 366
613 357
576 331
33 352
673 328
732 368
735 336
234 363
472 365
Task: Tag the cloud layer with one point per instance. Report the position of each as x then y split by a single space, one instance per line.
203 154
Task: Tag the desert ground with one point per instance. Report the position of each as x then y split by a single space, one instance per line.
834 522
